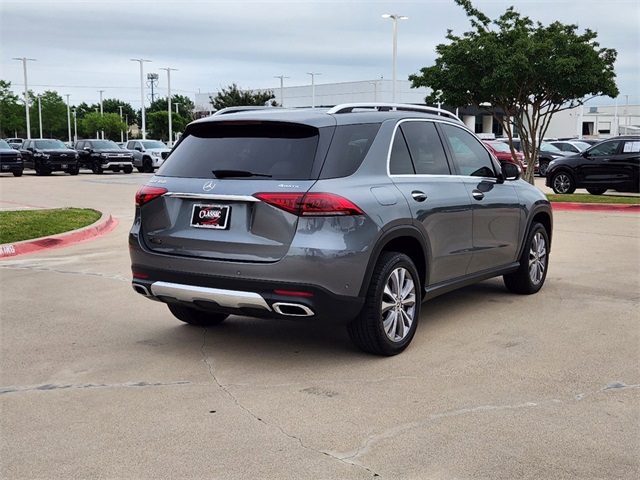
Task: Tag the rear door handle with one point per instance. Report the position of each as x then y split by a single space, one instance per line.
419 196
477 194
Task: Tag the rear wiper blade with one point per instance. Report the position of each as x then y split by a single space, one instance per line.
237 173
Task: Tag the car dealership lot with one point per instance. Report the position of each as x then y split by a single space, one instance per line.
96 381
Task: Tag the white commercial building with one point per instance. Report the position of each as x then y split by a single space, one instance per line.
587 121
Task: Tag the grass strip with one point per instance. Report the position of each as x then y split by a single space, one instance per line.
19 225
588 198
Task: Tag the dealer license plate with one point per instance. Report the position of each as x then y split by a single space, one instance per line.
210 216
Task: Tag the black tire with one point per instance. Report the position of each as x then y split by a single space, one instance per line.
73 171
17 173
96 167
37 166
127 170
563 183
147 166
534 263
596 191
198 318
394 273
542 169
140 169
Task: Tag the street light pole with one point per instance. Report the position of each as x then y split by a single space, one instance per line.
40 115
101 113
313 88
24 61
176 105
395 18
169 69
68 116
281 77
121 134
75 126
142 113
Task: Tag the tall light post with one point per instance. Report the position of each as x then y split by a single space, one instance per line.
281 77
375 91
24 61
142 113
101 113
313 88
169 70
395 17
75 126
68 116
121 134
40 115
176 105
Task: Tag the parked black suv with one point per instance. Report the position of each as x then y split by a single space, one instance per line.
10 160
101 155
612 164
46 155
354 214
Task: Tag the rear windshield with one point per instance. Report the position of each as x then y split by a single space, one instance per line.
282 151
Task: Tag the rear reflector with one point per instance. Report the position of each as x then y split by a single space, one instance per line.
293 293
311 204
146 193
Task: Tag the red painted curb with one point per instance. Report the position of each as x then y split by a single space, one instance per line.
101 227
595 207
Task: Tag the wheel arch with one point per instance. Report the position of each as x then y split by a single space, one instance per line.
407 240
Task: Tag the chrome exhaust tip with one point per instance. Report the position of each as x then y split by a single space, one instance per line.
141 289
292 309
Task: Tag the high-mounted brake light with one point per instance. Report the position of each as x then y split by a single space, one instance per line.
146 193
311 204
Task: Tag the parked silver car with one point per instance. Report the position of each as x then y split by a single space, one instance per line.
354 214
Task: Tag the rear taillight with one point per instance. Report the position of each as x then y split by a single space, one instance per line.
146 193
311 204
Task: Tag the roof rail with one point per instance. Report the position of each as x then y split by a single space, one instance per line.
386 107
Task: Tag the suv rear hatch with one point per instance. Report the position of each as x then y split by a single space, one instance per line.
205 200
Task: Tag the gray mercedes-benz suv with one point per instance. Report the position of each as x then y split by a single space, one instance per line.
354 214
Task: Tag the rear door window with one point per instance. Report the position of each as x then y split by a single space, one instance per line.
273 149
426 148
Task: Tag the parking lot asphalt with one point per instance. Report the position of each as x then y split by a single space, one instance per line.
98 382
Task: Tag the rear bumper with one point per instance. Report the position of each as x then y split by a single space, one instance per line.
255 298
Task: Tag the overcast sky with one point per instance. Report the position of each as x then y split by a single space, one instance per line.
84 46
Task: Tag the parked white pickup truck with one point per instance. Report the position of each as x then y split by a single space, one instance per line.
148 155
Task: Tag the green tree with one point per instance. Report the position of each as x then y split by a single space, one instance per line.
93 124
12 117
529 71
158 124
185 105
54 115
112 105
232 96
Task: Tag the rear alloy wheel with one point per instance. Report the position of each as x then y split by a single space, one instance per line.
193 316
534 261
563 183
388 321
596 191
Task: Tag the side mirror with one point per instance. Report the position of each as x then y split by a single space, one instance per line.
511 171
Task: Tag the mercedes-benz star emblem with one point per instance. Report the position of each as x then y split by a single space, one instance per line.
210 185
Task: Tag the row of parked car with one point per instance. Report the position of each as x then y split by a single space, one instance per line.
47 155
596 165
